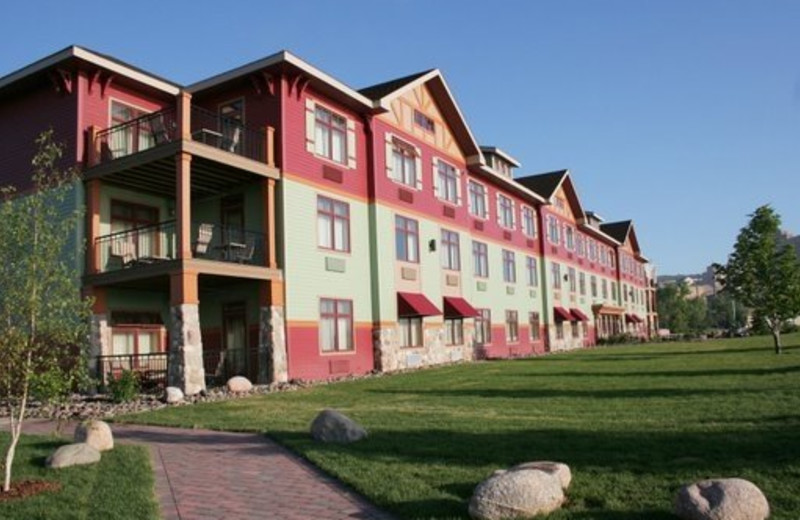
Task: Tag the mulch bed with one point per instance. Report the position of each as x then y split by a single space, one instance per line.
28 488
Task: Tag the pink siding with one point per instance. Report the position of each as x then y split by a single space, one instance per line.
307 362
22 118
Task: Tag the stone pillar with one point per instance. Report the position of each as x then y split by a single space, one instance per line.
186 346
99 331
273 366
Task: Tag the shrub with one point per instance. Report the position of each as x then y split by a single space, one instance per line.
125 387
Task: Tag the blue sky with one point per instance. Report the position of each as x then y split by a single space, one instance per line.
682 115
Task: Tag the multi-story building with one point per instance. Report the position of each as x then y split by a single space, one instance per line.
274 222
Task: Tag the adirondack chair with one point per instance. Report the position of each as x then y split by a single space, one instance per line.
125 250
204 233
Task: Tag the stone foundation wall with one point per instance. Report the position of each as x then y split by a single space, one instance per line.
390 356
186 349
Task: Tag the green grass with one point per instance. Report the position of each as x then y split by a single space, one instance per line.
120 486
633 422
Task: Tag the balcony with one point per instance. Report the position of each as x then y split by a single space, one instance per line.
157 244
163 127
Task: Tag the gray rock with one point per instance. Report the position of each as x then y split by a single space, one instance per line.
521 493
721 499
73 455
557 469
96 434
334 426
173 395
239 384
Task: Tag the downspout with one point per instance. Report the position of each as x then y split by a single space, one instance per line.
372 215
545 286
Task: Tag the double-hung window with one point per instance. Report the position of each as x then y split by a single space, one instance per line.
404 163
330 135
582 283
333 224
528 221
572 280
593 285
451 256
335 325
533 326
410 331
480 259
512 327
553 230
477 200
505 211
580 245
406 232
555 271
569 237
604 287
509 267
483 327
531 270
453 331
447 182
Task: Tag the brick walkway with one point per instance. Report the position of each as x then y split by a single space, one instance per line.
203 474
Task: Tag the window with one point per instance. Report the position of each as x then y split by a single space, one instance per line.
572 279
528 222
509 267
330 135
533 326
604 288
231 124
483 327
139 220
410 331
512 327
423 121
576 331
593 285
130 138
559 330
451 256
582 283
505 211
555 271
531 269
335 325
480 259
404 163
592 250
614 291
580 245
333 224
569 236
406 233
135 340
552 229
477 200
611 262
453 331
447 182
624 292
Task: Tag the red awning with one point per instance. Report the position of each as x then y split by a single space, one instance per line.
562 314
636 318
632 318
579 315
414 304
458 308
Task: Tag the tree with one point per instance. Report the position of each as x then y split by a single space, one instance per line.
762 274
43 320
679 313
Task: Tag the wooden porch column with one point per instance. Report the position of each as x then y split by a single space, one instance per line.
269 134
92 226
184 115
183 288
92 147
270 213
183 205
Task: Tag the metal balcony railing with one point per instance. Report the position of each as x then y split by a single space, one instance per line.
137 135
228 134
158 242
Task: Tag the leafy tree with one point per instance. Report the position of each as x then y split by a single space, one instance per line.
679 313
726 313
762 274
43 320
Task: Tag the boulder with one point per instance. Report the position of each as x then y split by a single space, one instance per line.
333 426
559 470
239 384
173 395
73 455
521 493
96 434
721 499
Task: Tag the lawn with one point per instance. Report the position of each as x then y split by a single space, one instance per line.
120 486
633 422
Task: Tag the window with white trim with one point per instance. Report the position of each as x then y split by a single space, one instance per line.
569 237
480 259
335 325
572 279
448 182
453 331
582 283
406 232
410 331
555 271
403 162
512 327
593 285
451 255
580 245
478 204
505 211
533 326
604 288
483 327
553 230
333 224
528 221
531 268
330 135
509 267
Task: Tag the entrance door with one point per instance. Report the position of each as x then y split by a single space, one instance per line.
234 323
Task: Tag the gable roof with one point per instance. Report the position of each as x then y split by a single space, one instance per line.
378 91
75 52
617 230
544 184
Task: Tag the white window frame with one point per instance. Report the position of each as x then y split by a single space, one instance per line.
437 188
473 210
350 152
506 217
392 143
